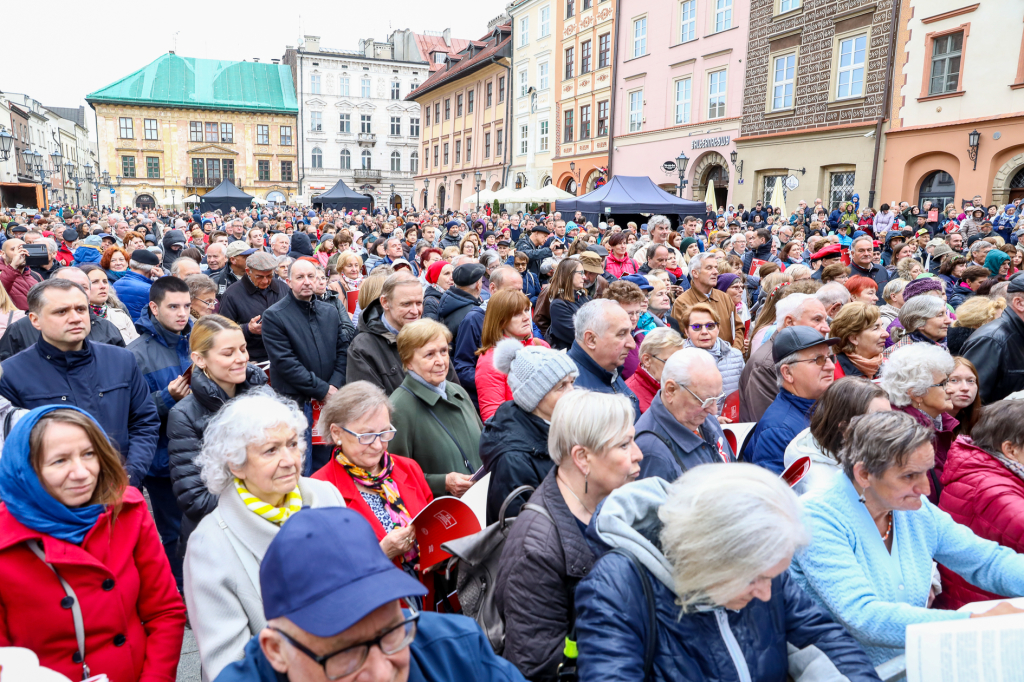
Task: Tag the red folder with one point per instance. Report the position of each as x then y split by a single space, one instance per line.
796 471
754 265
353 300
444 519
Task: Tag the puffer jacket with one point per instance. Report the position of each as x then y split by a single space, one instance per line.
711 644
823 468
171 239
133 290
86 253
541 564
997 351
453 307
644 387
514 449
431 301
730 365
186 423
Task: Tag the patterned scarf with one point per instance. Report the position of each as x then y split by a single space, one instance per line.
868 366
1015 467
276 515
99 310
385 487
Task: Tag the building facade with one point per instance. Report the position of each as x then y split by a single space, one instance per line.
679 90
466 110
816 84
584 62
949 85
180 125
356 124
79 149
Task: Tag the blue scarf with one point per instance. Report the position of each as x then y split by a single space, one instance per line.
27 499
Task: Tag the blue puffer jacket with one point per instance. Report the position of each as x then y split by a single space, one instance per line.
784 418
87 254
713 644
162 356
132 289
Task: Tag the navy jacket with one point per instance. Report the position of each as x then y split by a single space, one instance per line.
784 418
879 274
103 380
660 459
132 289
593 377
447 648
453 307
467 341
514 449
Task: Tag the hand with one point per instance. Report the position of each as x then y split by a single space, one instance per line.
398 541
156 273
457 484
179 388
18 259
723 420
255 326
1001 609
331 390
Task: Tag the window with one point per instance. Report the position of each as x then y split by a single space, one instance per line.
448 108
683 101
346 160
788 5
524 139
286 136
723 15
501 89
524 31
444 159
542 144
469 150
499 143
945 73
125 125
195 131
286 171
263 170
640 37
396 162
570 65
396 90
542 76
585 55
840 188
782 82
851 67
458 151
211 132
716 94
604 50
262 134
343 86
151 129
228 166
316 121
152 167
366 159
524 82
414 162
414 127
426 157
427 109
585 122
345 123
396 125
545 22
490 94
470 97
487 146
568 125
636 110
769 189
198 170
435 155
570 8
213 170
602 118
227 132
314 85
364 87
317 158
688 21
440 57
364 124
458 105
437 112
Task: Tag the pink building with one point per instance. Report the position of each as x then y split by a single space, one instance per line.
679 89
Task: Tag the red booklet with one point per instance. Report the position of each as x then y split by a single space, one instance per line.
444 519
353 300
754 265
796 471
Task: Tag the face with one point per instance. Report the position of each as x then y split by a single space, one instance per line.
659 300
705 382
900 488
634 310
118 263
964 387
708 275
812 314
760 587
272 466
579 277
521 325
956 242
444 280
303 280
172 313
260 278
863 252
611 348
617 465
363 456
660 259
430 361
68 467
807 378
133 244
99 287
226 360
868 296
256 239
937 398
702 330
352 269
739 244
63 319
937 327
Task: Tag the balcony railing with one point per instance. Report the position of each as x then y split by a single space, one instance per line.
367 138
367 174
208 182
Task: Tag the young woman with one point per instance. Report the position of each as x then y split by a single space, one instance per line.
567 294
100 296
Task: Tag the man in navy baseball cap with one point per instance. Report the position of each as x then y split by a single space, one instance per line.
332 600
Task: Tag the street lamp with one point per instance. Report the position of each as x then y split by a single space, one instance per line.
973 140
174 204
477 176
733 155
426 189
681 162
58 167
6 142
391 199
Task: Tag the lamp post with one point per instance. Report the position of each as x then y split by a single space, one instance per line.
426 190
391 199
733 155
6 142
576 175
58 165
681 162
477 176
973 140
174 203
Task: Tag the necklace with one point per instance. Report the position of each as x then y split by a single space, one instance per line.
888 531
567 487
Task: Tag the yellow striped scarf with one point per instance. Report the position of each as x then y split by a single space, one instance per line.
278 515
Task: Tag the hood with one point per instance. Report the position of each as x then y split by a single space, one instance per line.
86 253
173 237
995 259
628 519
212 397
300 245
147 325
370 322
454 299
512 430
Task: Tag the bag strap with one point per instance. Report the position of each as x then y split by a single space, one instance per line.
668 444
652 615
465 459
508 500
76 608
252 569
539 509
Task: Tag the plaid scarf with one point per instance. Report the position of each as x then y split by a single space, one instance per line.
276 515
383 485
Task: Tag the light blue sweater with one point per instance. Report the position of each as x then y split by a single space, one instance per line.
875 595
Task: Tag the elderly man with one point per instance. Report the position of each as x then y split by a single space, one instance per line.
659 228
804 366
16 277
997 348
603 340
132 288
392 252
703 278
237 252
216 259
680 429
280 244
246 300
979 251
833 296
758 382
862 255
183 267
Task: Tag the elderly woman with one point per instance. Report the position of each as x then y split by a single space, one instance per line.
892 295
70 518
591 444
823 439
659 302
104 303
970 315
437 424
862 289
655 350
701 325
251 460
203 292
861 333
439 280
875 538
724 610
923 320
115 262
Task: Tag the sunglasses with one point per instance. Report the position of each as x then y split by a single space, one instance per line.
710 326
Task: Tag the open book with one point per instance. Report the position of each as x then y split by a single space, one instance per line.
974 650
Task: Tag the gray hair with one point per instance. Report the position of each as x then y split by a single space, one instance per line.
176 265
790 306
861 238
350 403
242 422
652 249
788 360
198 283
910 371
679 367
697 262
879 440
144 268
589 419
488 257
916 312
658 220
593 317
893 287
51 246
979 245
659 339
280 235
723 526
832 293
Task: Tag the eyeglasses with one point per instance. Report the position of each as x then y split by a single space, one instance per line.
368 438
710 326
350 659
579 272
208 304
705 403
941 384
819 360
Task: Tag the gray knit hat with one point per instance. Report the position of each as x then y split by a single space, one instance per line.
532 371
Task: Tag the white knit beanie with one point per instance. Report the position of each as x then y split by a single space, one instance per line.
533 371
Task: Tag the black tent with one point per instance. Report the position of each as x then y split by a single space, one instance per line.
341 197
224 196
626 195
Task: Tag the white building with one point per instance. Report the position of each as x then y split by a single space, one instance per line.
354 122
534 79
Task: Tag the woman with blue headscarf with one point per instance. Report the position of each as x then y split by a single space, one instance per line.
86 585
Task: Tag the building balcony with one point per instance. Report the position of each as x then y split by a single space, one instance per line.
366 175
367 139
202 182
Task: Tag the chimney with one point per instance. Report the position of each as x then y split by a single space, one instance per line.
256 59
275 61
312 43
447 35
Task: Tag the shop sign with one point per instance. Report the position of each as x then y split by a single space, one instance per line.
710 142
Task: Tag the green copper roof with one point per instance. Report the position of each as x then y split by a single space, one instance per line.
186 82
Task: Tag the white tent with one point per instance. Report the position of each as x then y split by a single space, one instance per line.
192 199
259 202
550 193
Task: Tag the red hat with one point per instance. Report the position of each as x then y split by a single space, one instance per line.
830 251
434 271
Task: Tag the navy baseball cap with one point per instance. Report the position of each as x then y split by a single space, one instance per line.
325 572
640 281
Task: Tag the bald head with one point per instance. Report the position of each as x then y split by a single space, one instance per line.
505 277
75 275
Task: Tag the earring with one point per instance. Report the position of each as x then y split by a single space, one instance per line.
861 498
586 482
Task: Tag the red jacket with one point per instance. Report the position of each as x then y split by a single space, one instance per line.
17 283
64 255
619 268
644 386
982 494
491 385
134 618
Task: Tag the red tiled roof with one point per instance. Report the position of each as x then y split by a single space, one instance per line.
465 63
428 44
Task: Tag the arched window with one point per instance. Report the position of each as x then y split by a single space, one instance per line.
318 158
396 161
346 160
938 188
414 162
366 159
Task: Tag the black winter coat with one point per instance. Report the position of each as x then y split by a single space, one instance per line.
224 278
561 332
307 343
301 246
242 301
431 302
186 423
535 254
997 351
453 307
22 334
514 449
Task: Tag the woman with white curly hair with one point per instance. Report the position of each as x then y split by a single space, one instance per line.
252 460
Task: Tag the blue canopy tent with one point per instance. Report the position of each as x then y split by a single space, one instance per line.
625 196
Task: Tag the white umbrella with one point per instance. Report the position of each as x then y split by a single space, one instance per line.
192 199
260 202
506 195
779 197
550 193
709 197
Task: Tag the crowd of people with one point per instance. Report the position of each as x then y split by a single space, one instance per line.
176 386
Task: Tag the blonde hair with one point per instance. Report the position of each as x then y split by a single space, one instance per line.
450 252
349 403
589 419
979 310
659 339
345 258
369 290
205 331
7 305
417 334
852 319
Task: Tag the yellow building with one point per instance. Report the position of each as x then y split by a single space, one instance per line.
180 126
465 113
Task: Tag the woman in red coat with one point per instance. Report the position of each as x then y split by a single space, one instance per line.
983 489
66 496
